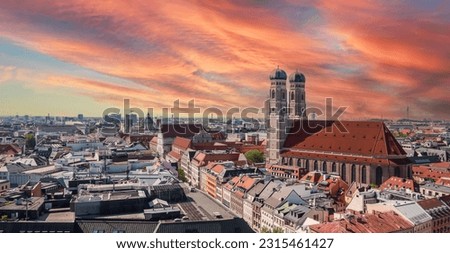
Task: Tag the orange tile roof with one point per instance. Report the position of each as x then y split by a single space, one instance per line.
424 171
443 181
218 168
441 165
430 203
248 183
370 223
4 148
336 187
231 183
174 155
202 159
181 143
312 177
347 137
398 183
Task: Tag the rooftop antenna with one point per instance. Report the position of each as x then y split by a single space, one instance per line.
104 162
407 112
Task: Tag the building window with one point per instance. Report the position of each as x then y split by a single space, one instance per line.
353 173
378 175
292 95
273 94
299 162
363 174
397 171
343 172
316 166
307 164
333 167
324 166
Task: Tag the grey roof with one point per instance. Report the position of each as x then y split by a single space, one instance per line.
413 212
297 214
297 77
436 187
269 189
273 202
17 168
256 189
278 74
235 225
59 129
36 227
115 226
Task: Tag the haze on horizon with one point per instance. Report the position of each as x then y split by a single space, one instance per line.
376 57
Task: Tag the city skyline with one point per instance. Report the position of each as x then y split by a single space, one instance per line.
83 57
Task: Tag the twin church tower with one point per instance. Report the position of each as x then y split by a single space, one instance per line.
283 107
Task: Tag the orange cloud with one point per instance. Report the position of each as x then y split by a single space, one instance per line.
361 53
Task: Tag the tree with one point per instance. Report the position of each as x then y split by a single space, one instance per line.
273 230
265 230
277 230
30 141
255 156
373 186
182 175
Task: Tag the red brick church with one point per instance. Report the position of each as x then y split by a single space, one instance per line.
359 151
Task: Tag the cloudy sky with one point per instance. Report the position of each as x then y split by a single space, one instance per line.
376 57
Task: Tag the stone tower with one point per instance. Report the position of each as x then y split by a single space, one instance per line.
297 104
278 116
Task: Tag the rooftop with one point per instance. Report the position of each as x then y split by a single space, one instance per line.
370 223
364 138
111 196
34 203
436 187
398 183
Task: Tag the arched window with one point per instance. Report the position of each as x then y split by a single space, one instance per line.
324 166
363 175
397 171
333 167
299 162
273 93
353 173
303 96
378 175
284 95
292 95
316 165
343 172
307 164
291 162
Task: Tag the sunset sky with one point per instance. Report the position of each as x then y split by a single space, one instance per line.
376 57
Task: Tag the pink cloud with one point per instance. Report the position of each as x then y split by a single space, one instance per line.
220 53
